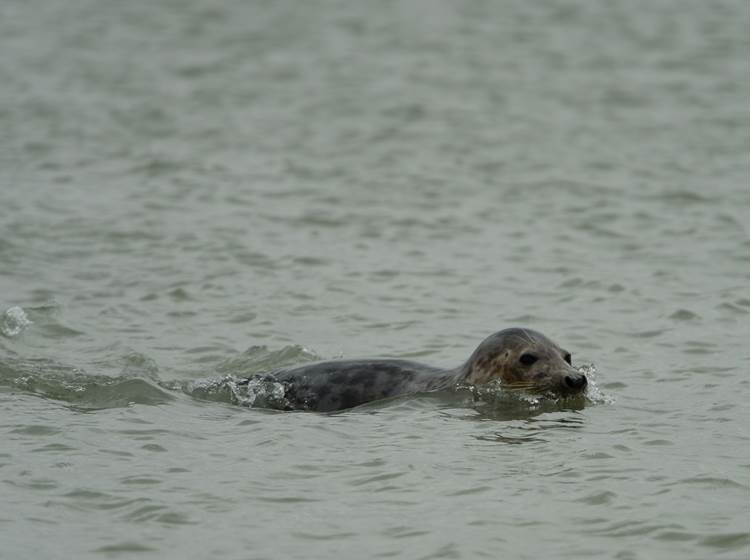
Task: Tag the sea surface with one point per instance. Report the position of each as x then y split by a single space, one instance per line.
192 192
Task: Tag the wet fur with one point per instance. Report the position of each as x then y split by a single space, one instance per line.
342 384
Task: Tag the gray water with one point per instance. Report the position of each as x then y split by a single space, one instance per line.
192 192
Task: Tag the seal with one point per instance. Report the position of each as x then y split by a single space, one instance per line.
518 357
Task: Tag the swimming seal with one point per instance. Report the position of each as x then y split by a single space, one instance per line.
518 357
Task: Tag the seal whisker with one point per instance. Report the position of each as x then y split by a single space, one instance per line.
519 386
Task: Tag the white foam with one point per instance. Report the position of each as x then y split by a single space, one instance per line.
14 321
593 393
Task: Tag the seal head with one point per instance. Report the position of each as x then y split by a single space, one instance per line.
524 359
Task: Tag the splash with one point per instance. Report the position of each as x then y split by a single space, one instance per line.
255 392
14 321
496 394
248 379
593 393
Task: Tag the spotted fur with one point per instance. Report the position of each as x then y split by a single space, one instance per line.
342 384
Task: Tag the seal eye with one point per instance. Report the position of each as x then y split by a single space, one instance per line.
527 359
568 358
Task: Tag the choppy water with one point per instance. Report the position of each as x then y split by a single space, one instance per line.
191 191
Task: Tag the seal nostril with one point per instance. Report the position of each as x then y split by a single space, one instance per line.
576 382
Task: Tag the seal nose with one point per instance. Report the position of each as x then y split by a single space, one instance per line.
577 381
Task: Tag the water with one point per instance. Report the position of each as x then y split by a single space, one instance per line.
193 191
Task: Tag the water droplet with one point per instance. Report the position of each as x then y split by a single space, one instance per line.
14 321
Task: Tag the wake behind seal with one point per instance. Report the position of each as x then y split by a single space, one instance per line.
517 357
